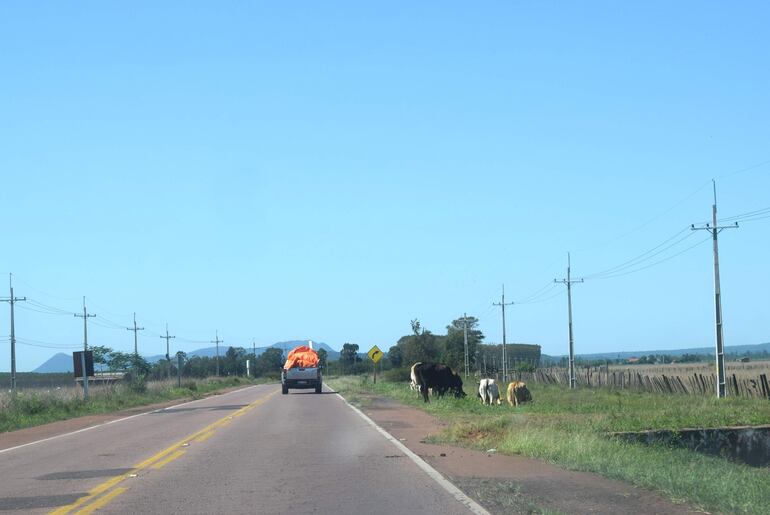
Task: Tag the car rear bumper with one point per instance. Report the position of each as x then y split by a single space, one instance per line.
301 383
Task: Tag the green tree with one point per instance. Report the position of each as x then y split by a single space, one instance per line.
421 345
101 355
235 361
323 357
269 362
396 356
119 361
454 347
349 353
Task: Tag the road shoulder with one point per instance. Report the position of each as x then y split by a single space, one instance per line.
513 484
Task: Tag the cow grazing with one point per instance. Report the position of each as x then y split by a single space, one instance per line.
489 392
438 377
413 384
518 393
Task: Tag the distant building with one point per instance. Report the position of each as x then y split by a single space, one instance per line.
632 361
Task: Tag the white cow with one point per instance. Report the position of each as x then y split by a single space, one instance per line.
489 392
413 385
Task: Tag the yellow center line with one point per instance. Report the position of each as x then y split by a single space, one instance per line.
154 459
205 436
168 459
102 502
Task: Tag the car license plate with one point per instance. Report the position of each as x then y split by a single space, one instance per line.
301 382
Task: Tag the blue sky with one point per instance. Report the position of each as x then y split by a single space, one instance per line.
331 171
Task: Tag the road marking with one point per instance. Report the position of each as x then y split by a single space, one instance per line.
205 436
170 453
472 505
120 420
168 459
102 502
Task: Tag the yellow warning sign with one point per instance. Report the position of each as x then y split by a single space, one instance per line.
375 354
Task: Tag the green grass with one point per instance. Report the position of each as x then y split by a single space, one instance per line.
567 428
32 407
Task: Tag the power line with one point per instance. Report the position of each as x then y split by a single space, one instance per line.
668 258
538 293
644 256
22 341
743 216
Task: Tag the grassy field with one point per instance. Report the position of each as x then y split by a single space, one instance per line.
34 380
751 369
35 406
568 428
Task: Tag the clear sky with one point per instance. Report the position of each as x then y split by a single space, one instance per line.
332 170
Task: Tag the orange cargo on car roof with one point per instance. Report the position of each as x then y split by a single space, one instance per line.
302 357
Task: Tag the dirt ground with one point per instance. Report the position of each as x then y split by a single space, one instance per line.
514 484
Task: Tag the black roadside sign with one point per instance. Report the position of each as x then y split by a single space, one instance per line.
76 362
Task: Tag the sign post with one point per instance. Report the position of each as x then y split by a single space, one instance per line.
179 369
83 364
375 354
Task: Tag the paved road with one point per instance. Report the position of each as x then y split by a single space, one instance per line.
249 451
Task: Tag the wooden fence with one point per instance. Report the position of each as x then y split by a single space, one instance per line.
687 384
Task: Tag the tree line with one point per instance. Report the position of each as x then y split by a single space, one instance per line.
232 363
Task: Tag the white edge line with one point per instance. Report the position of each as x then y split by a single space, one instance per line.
472 505
116 420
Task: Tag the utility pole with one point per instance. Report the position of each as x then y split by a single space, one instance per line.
11 300
217 341
168 356
465 341
714 229
568 281
85 316
254 353
502 304
135 329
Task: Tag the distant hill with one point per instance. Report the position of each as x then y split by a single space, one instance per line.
729 349
285 346
59 362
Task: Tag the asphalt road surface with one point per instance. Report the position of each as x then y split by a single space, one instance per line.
248 451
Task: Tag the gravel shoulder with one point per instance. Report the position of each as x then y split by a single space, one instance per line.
513 484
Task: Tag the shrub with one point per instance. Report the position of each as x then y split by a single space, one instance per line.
397 375
137 384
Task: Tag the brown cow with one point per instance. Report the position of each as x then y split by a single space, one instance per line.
518 393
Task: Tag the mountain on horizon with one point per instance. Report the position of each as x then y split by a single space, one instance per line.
59 362
285 346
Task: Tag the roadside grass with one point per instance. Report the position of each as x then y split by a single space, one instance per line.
567 428
32 407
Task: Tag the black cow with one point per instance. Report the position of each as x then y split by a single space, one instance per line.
438 377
